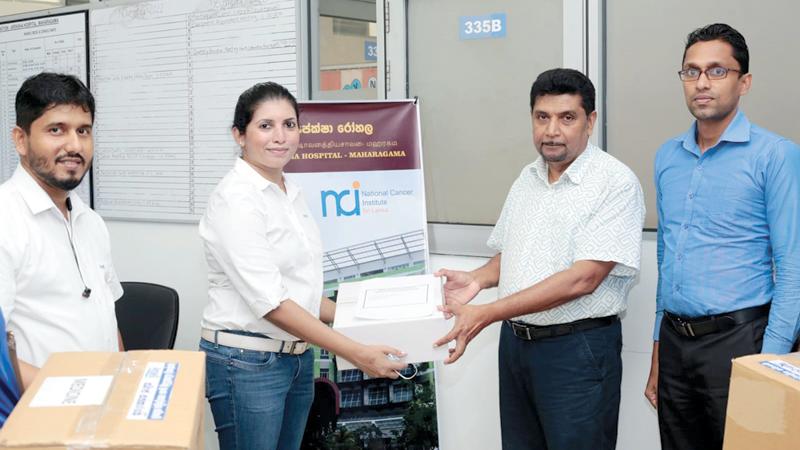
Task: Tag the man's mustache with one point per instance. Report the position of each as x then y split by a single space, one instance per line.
71 155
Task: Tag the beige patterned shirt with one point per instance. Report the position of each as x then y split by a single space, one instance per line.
595 211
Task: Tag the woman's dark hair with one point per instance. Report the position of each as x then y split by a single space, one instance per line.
259 93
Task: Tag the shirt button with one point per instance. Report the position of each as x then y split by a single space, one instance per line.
700 168
678 288
691 195
685 226
679 257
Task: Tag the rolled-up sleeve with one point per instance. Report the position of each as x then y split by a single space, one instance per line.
110 273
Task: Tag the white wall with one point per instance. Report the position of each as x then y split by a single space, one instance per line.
638 423
171 254
10 7
165 253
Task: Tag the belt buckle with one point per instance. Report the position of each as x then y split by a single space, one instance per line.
515 327
291 348
687 327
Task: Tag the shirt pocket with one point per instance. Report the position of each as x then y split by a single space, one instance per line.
730 211
253 361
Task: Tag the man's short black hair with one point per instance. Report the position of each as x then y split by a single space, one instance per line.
564 81
41 92
725 33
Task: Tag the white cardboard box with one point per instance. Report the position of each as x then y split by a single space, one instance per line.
400 312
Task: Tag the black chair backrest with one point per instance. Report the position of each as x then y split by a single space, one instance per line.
147 316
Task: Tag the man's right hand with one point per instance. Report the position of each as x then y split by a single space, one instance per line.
460 288
374 361
651 389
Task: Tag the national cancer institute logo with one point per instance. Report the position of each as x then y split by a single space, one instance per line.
363 201
342 200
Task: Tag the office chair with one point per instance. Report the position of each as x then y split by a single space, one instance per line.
147 316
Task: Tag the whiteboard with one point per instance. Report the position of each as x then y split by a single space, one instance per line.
166 76
27 47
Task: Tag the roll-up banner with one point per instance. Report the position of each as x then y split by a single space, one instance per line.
360 167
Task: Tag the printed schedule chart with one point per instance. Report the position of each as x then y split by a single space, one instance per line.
52 44
166 77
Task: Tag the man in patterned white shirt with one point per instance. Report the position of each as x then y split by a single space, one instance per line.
568 242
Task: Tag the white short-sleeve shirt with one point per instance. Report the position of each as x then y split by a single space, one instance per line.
40 284
262 247
595 211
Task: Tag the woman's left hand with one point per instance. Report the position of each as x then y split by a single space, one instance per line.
374 360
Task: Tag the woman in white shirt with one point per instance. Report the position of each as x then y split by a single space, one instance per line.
264 256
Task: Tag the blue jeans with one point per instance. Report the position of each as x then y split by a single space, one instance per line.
260 400
561 393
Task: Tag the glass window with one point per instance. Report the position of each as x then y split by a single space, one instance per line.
344 50
377 395
349 376
351 398
402 392
348 58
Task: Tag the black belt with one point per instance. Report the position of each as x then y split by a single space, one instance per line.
535 332
700 326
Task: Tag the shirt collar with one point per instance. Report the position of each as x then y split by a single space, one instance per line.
251 175
78 206
575 172
737 131
37 199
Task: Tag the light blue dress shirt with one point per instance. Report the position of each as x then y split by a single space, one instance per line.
729 228
9 391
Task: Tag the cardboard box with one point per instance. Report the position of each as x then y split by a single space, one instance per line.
764 403
132 400
375 311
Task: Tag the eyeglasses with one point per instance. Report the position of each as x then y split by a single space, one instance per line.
713 73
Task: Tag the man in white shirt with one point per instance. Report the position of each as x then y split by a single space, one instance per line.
569 243
57 281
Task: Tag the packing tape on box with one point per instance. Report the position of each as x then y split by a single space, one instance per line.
761 420
94 426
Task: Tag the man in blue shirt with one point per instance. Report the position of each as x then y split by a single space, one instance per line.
728 199
9 388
